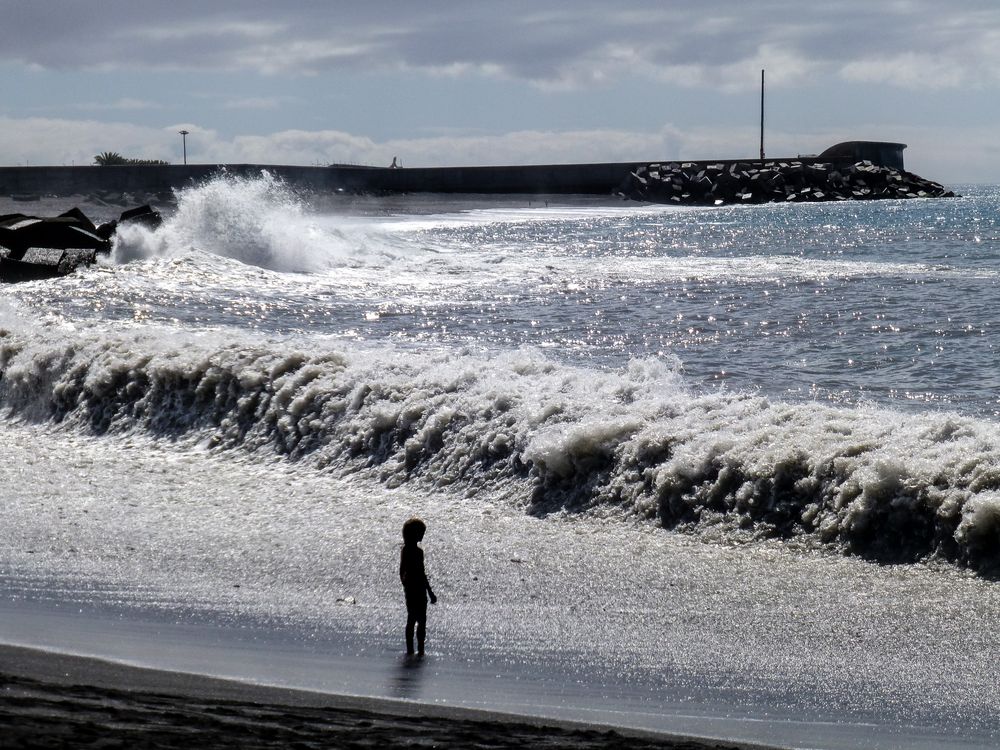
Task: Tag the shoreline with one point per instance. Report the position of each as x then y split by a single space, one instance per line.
78 699
104 651
360 669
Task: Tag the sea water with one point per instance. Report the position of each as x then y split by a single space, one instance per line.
744 456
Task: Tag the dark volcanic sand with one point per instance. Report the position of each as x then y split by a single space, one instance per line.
51 700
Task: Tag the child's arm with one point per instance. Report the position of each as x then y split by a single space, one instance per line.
429 591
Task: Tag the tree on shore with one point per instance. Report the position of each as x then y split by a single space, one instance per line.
110 158
114 159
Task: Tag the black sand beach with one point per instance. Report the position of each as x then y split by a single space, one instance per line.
51 700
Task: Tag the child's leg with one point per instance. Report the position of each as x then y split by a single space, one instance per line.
410 622
421 632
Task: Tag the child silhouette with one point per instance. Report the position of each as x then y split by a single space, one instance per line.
415 584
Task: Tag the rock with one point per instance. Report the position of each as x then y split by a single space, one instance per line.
61 232
107 229
691 183
34 248
144 215
79 217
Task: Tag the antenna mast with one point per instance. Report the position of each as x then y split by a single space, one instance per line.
762 114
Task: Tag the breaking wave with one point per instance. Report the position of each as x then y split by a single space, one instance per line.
259 221
541 435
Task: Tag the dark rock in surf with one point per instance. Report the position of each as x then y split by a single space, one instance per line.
144 215
771 182
35 248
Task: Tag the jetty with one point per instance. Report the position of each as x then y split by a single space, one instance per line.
555 179
720 184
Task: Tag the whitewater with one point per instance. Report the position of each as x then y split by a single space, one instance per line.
740 464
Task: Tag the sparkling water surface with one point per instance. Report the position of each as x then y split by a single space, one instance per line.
288 376
887 301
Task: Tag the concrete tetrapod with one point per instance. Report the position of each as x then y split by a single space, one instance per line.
773 181
37 248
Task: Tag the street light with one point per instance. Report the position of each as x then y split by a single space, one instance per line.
184 141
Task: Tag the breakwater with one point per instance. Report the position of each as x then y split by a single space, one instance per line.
33 247
140 181
143 180
774 182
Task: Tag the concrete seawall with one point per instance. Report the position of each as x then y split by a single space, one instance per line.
557 178
594 179
149 179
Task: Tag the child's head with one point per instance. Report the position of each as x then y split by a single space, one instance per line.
413 530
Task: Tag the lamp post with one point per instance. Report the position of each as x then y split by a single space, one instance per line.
762 115
184 141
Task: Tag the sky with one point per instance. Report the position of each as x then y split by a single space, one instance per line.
438 83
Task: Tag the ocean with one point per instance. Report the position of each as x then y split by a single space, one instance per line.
741 461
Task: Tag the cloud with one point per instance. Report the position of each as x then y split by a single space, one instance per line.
950 155
570 81
256 102
550 44
909 70
53 141
457 149
39 141
123 104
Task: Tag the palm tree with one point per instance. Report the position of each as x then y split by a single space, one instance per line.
109 158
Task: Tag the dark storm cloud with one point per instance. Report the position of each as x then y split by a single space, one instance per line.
544 42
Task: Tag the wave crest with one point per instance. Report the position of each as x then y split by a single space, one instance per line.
258 221
545 436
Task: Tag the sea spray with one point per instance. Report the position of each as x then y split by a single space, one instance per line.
259 221
632 442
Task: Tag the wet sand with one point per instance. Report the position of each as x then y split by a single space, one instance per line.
52 700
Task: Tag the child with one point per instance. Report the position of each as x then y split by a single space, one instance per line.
415 585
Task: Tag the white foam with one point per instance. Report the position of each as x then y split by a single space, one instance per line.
629 442
258 221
